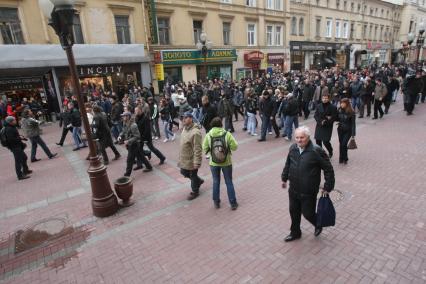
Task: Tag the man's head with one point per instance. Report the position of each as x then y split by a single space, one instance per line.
325 98
70 105
126 116
187 118
139 110
27 113
10 120
302 136
205 100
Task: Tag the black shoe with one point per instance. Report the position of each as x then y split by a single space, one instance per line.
28 172
277 136
201 182
291 238
345 162
53 155
162 161
126 174
234 206
35 160
193 195
217 204
23 177
261 140
381 115
244 129
147 170
317 231
374 118
409 113
137 168
116 157
84 146
340 161
60 144
76 149
106 162
368 115
330 155
360 116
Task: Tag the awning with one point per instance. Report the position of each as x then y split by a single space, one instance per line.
363 51
328 60
39 56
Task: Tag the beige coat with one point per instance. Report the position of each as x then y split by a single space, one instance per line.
380 92
190 155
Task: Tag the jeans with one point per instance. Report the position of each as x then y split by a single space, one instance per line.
193 176
227 174
344 137
266 122
21 166
36 140
289 121
246 120
167 131
251 123
395 95
116 129
282 119
76 135
301 204
355 102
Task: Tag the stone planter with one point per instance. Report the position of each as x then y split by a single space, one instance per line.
124 188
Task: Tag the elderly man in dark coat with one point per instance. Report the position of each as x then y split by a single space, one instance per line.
102 133
303 169
325 116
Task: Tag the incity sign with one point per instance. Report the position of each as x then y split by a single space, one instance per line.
98 70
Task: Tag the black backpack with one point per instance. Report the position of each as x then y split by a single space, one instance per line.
218 148
3 137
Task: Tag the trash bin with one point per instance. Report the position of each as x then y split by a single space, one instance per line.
124 188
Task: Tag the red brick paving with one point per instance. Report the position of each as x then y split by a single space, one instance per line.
380 235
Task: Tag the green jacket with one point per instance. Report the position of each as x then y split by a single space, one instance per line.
230 142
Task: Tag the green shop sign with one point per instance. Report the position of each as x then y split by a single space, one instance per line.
178 57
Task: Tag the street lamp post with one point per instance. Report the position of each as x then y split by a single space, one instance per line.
204 46
419 43
348 55
61 18
410 40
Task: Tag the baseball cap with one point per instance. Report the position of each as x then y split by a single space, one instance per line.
188 114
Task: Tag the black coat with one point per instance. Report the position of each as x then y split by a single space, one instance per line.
13 138
291 108
346 122
267 106
208 112
304 170
324 127
144 126
65 119
116 111
75 118
101 130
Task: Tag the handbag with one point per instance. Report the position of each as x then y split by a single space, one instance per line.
352 144
326 215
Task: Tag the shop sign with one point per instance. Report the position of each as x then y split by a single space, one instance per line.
178 57
254 56
159 72
378 45
84 71
275 58
20 84
152 18
313 46
157 57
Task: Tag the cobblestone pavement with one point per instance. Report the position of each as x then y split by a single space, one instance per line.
380 235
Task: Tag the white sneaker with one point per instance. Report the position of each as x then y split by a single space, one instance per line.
286 138
207 157
155 138
270 133
254 134
174 137
165 140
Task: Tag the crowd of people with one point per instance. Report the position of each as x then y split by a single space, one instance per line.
269 104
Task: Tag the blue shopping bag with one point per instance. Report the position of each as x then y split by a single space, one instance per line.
326 215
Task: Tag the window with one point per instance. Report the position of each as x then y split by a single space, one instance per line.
163 30
294 26
318 28
387 13
198 28
345 30
338 29
352 31
328 28
371 11
381 33
364 32
10 26
337 4
359 8
383 13
318 2
123 29
251 34
345 4
375 32
376 12
301 26
251 3
269 35
370 33
328 3
77 32
352 6
226 1
278 37
226 33
274 4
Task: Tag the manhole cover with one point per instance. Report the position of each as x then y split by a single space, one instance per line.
40 233
335 195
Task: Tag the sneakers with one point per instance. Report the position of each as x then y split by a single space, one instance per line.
174 137
166 140
216 204
234 206
270 133
254 134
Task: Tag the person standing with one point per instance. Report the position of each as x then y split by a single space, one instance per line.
346 128
116 110
190 154
153 109
208 112
267 113
291 113
225 109
412 87
307 96
251 110
76 127
220 144
366 98
142 119
380 93
102 132
65 123
32 131
16 145
303 169
165 116
325 116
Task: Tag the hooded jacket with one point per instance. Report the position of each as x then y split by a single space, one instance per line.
230 141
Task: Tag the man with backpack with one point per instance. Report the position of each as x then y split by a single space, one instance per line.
10 138
220 144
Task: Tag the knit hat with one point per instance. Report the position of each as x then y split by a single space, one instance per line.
9 119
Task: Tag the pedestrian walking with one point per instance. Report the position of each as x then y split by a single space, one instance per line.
207 113
65 123
291 114
190 154
379 94
32 131
166 118
76 127
303 169
220 144
346 128
14 142
325 116
366 98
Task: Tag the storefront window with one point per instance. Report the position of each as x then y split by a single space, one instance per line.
173 75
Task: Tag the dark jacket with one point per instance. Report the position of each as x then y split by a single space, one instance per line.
101 129
251 105
267 106
304 170
75 118
144 126
64 119
308 93
116 110
346 122
325 116
208 112
13 138
291 108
